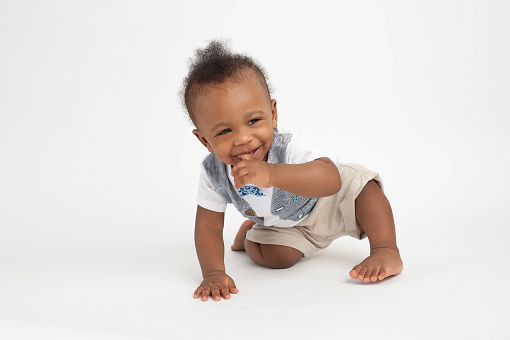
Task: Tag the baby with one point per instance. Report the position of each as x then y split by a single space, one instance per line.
296 199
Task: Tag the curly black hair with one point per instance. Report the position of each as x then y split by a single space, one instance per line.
214 65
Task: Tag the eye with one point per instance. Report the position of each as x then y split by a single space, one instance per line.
223 132
253 121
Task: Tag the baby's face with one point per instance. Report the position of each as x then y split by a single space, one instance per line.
236 119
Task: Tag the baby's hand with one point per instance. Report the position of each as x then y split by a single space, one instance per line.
216 284
251 171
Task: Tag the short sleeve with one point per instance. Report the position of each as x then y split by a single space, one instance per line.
300 150
208 198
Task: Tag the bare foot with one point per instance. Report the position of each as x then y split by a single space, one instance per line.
241 235
381 263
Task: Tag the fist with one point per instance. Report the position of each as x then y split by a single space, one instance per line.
252 171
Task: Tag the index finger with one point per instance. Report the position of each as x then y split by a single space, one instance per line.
246 157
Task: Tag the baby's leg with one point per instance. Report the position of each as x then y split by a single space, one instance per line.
241 235
269 255
373 212
272 255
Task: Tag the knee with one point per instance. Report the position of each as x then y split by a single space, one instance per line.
279 257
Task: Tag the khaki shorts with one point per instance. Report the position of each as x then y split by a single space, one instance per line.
331 217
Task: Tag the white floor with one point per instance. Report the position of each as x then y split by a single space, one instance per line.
99 169
455 286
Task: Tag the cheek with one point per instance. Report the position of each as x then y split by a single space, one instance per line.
222 150
270 134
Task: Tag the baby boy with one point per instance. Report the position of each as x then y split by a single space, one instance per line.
296 199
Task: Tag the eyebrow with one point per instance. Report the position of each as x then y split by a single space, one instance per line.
247 114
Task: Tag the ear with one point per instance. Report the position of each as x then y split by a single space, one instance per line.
202 140
274 113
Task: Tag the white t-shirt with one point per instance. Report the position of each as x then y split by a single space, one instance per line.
298 151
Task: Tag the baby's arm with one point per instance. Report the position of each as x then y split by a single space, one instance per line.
210 251
318 178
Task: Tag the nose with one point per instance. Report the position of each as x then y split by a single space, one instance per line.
243 136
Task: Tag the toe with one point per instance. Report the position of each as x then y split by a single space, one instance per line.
355 271
361 274
382 274
375 274
368 275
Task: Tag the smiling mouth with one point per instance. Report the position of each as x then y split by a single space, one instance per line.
253 153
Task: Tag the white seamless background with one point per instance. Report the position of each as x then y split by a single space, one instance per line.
99 169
